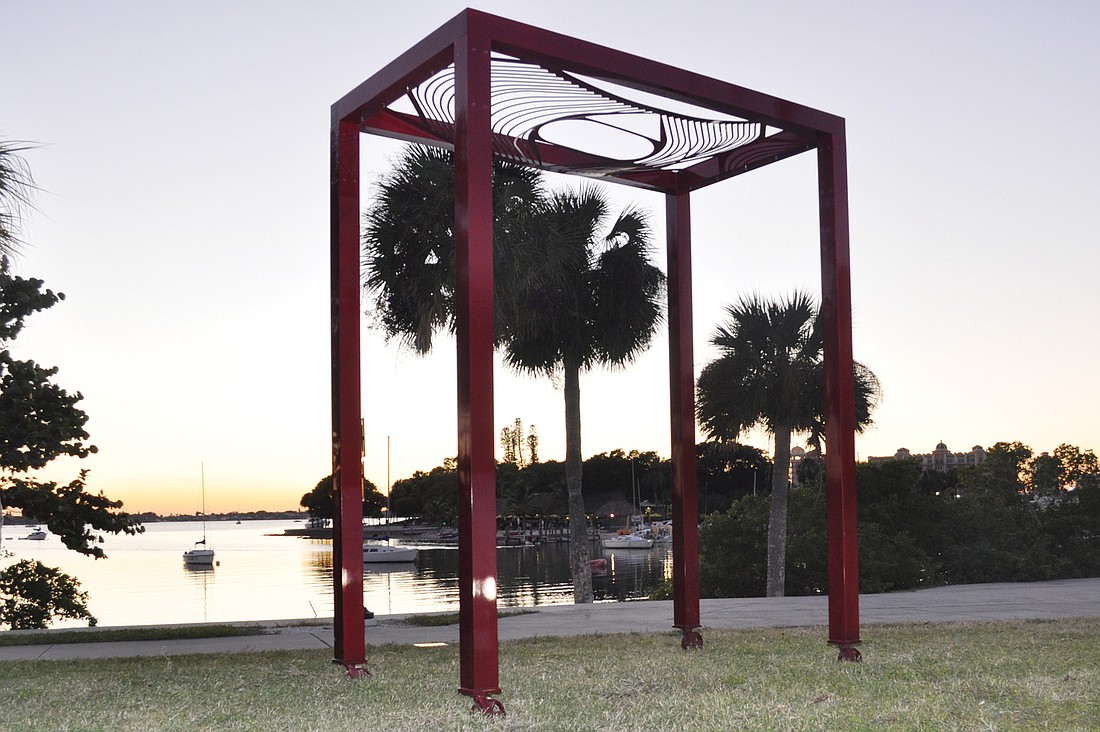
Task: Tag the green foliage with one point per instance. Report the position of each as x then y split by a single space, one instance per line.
985 524
900 527
770 373
40 421
727 471
318 502
32 595
432 495
732 550
610 471
539 488
1074 465
71 512
1073 526
129 634
807 570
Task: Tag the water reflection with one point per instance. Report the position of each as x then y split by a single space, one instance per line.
263 575
633 573
200 578
527 576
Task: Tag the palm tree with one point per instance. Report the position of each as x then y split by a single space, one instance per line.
565 298
771 375
408 241
589 301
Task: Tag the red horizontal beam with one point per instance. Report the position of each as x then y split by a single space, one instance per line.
555 50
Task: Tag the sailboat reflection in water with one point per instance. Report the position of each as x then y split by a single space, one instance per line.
200 555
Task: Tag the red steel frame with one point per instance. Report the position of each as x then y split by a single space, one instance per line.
467 41
347 438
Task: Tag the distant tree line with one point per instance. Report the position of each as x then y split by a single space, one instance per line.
727 471
1017 517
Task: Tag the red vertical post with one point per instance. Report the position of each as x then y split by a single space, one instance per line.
477 557
347 435
840 421
685 505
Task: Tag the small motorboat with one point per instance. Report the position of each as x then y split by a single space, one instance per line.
36 534
379 553
627 541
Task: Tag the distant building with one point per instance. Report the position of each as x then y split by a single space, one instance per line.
799 456
940 459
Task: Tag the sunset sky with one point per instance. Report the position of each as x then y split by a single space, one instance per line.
184 213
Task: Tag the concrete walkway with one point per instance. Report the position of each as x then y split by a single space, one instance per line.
1007 601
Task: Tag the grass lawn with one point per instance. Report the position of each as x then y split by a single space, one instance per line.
988 676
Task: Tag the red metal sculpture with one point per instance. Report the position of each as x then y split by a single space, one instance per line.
489 86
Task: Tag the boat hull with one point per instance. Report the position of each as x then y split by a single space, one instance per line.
387 554
627 542
198 557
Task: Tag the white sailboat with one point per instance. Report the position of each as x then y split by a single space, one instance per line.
386 553
200 555
635 536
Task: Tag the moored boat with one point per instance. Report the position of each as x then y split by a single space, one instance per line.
385 553
199 555
627 541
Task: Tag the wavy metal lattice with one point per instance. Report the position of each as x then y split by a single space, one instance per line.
529 100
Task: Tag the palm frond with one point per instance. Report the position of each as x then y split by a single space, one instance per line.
408 241
16 189
590 298
770 370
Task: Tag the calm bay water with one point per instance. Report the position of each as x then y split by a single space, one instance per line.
261 577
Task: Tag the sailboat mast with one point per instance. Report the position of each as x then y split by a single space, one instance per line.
389 486
202 472
634 487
